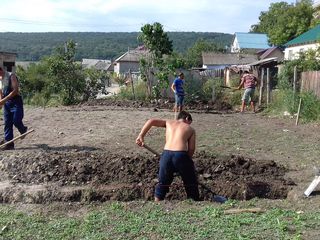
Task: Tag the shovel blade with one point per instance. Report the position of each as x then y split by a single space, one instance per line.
219 199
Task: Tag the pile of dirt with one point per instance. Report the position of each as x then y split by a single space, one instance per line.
198 105
101 176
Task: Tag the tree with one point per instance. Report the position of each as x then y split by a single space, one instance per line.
67 75
156 40
158 44
283 21
194 54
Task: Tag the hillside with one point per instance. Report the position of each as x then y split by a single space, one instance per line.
33 46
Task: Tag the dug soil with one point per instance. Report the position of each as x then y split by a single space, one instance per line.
87 153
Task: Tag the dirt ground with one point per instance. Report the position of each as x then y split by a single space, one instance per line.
87 153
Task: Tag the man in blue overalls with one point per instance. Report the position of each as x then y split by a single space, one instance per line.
12 104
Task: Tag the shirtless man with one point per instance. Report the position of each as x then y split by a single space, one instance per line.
177 154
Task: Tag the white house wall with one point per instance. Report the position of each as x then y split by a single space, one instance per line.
235 46
291 53
123 67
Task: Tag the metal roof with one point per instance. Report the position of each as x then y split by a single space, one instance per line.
311 36
96 63
252 40
264 61
132 56
211 58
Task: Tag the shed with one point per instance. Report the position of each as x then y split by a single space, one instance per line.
271 53
222 60
8 60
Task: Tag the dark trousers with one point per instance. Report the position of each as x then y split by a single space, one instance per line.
180 162
13 115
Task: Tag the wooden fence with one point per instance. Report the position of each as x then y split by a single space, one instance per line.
310 81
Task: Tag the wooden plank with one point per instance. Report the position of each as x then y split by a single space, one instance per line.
312 186
243 210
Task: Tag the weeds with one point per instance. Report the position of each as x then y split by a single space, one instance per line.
153 221
287 101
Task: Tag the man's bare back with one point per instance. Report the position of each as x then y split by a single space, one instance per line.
180 136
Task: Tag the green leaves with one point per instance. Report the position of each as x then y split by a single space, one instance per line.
154 65
283 21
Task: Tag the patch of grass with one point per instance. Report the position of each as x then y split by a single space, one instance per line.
140 220
285 100
140 91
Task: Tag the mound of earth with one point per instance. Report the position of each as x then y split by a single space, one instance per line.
102 176
159 104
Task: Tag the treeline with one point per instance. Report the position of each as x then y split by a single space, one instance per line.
97 45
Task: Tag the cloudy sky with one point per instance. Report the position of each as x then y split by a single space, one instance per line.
227 16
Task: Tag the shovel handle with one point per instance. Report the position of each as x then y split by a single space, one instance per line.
151 150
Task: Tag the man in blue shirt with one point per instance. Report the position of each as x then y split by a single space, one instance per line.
177 88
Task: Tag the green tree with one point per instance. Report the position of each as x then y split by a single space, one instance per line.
67 75
194 53
96 82
34 80
283 21
153 65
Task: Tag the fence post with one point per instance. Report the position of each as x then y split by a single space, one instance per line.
298 113
261 86
213 97
268 86
131 80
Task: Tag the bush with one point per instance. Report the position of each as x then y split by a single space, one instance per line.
140 90
42 99
286 101
310 107
283 101
207 88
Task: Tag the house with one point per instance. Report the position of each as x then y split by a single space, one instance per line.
273 52
302 43
97 64
249 42
8 60
129 61
217 61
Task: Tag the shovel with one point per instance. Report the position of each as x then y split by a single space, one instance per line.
16 138
231 88
214 198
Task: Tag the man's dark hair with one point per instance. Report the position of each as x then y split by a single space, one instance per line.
184 115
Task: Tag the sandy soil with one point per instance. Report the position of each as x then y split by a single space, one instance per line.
87 153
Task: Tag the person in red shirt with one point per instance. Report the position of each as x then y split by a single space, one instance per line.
249 83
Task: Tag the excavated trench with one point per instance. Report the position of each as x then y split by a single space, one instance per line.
100 176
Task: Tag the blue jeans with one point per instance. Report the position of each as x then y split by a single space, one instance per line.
177 161
179 99
13 115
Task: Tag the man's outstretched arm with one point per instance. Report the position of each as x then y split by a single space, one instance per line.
150 123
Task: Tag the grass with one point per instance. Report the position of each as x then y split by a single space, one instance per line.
147 220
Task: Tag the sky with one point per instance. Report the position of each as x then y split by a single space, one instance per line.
224 16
